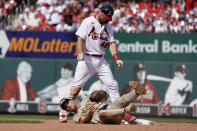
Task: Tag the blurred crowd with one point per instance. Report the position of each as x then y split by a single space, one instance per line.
131 16
6 7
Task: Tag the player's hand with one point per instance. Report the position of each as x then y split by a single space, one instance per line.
91 109
80 57
119 64
130 108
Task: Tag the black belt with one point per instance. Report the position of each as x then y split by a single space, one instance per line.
95 55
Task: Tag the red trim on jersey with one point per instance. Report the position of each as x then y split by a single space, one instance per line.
106 17
116 57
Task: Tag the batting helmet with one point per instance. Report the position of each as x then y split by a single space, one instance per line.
107 11
63 102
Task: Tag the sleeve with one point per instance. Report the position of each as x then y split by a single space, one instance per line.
82 110
189 85
7 90
82 30
111 34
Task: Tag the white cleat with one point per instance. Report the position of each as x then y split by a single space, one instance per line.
63 116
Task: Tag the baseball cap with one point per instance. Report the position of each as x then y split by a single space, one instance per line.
63 102
181 68
107 12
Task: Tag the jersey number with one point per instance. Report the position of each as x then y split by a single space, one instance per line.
105 44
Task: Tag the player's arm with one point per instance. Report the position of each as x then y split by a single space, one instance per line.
114 52
80 48
87 118
74 91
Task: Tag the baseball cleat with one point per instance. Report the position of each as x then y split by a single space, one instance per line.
63 116
138 88
129 118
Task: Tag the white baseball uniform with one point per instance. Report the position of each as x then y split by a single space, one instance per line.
97 37
172 96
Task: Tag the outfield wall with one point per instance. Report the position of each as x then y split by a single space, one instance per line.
46 52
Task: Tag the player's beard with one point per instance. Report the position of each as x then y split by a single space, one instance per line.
102 20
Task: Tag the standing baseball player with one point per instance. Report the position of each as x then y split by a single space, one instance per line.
94 110
94 36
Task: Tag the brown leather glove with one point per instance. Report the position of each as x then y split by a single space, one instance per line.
98 96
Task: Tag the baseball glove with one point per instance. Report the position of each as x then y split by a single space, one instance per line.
98 96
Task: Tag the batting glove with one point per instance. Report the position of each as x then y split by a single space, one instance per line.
80 57
119 64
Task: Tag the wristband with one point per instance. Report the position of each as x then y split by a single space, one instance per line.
116 57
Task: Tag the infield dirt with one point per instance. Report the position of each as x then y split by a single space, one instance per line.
55 125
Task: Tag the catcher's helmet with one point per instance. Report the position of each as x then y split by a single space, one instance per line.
107 10
63 102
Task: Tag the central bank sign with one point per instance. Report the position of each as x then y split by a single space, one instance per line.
180 47
166 47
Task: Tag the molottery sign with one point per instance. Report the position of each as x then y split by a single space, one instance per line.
38 44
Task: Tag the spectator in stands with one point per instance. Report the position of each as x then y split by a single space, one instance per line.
32 12
3 12
161 28
19 23
129 16
62 26
26 16
9 5
35 22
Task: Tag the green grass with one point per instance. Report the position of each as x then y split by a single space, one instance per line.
19 121
24 116
27 116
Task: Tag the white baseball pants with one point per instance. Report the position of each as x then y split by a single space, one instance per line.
96 66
